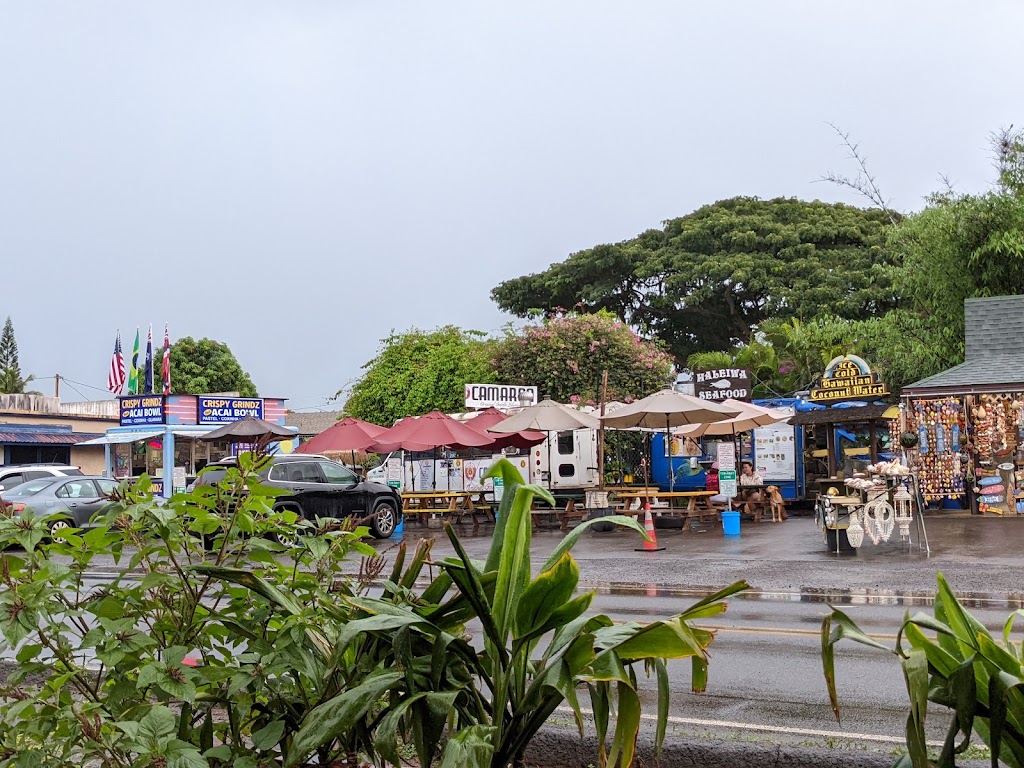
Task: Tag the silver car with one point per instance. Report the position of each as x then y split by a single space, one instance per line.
75 500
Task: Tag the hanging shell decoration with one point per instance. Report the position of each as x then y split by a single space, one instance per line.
879 520
855 532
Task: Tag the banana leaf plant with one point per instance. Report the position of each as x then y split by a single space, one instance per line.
952 660
539 650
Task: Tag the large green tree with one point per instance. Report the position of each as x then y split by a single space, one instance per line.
959 246
417 371
11 380
199 367
565 355
707 280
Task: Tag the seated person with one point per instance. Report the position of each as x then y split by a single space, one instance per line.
749 477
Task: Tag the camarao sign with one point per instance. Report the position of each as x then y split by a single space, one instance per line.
498 396
142 409
722 384
848 377
224 410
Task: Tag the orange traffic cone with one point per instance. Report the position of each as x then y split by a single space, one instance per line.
651 542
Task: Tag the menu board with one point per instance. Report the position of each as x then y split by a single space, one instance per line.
775 450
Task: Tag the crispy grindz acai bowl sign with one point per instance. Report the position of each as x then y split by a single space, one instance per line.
848 377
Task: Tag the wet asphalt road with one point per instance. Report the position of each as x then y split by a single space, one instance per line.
766 683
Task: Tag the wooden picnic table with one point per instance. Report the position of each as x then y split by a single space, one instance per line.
697 503
455 504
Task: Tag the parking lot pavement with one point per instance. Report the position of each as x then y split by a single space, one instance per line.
978 555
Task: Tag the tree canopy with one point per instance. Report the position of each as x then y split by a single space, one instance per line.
565 355
202 366
417 371
959 246
707 280
11 380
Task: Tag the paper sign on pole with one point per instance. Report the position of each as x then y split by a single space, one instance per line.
727 469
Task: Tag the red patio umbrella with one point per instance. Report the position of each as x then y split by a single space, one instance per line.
486 419
429 432
349 434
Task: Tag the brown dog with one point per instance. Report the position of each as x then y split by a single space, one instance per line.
777 504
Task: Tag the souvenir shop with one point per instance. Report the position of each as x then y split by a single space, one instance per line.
964 427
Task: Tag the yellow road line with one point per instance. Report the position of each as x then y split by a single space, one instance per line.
779 631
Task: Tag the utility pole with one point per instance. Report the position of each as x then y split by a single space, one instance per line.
600 432
56 385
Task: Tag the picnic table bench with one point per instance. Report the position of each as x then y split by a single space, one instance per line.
454 504
682 504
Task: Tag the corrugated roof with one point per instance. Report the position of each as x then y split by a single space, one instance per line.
310 424
839 415
46 438
992 326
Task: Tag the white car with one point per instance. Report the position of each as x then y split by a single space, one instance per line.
13 475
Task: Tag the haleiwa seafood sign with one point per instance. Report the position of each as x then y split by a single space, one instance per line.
722 384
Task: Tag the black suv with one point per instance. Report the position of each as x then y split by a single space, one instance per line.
322 488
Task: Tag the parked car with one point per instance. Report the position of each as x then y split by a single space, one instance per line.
13 475
75 500
319 487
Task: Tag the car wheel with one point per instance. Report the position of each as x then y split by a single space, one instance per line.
291 538
384 520
57 527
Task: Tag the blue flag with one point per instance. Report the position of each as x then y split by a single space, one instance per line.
149 363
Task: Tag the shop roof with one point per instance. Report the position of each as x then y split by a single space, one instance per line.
993 327
310 424
1004 371
839 415
26 437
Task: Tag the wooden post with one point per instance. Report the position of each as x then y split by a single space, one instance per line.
56 385
600 432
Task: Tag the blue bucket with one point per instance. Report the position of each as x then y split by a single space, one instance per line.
731 523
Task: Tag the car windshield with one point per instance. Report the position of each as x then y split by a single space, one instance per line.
73 472
31 487
212 475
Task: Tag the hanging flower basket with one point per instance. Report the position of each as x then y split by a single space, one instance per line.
908 439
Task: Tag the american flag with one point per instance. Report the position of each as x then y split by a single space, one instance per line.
115 379
165 369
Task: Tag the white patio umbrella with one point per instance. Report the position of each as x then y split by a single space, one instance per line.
750 417
668 410
547 416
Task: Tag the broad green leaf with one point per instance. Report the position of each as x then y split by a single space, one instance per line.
328 721
386 737
428 715
627 725
569 540
546 593
713 604
514 564
915 672
471 747
664 700
269 735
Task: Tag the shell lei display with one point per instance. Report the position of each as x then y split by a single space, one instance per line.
940 425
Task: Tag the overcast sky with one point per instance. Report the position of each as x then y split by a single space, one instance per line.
298 178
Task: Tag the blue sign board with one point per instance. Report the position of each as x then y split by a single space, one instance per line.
224 410
138 410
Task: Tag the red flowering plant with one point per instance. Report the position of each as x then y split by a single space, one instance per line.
566 353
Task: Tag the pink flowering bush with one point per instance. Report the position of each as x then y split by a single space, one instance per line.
565 354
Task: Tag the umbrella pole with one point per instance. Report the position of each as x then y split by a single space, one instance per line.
551 486
668 450
600 432
434 483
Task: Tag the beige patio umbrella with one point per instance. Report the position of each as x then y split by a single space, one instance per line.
750 417
547 416
668 410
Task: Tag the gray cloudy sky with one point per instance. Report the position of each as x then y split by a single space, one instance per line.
374 165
